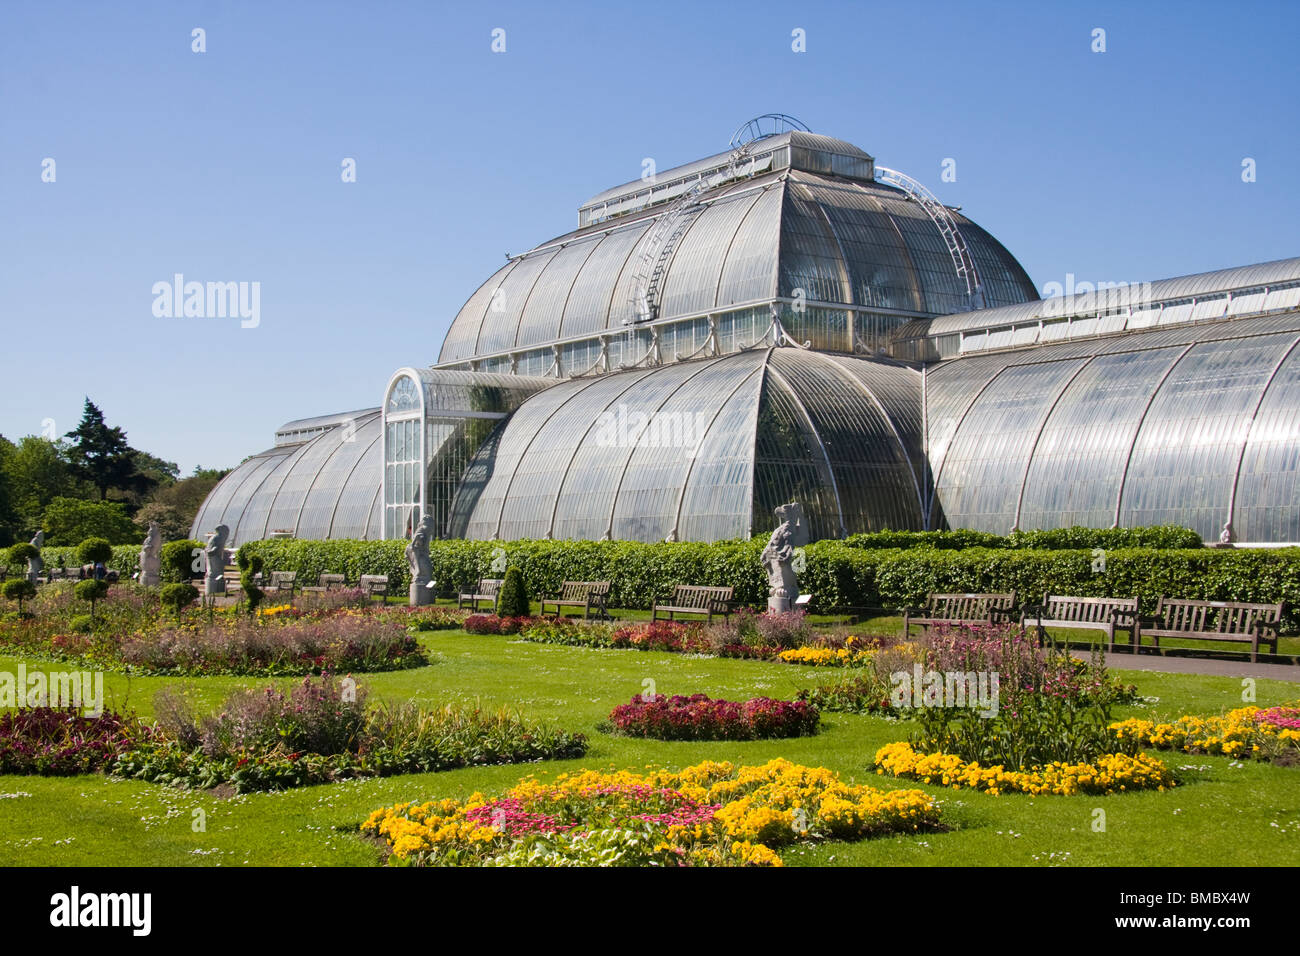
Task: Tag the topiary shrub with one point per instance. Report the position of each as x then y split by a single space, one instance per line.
178 596
513 600
92 591
19 554
180 561
20 590
82 624
250 565
95 551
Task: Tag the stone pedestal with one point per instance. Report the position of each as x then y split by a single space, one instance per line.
421 595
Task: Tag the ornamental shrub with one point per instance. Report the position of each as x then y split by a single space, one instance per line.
20 590
513 600
180 561
95 551
19 554
178 596
82 624
699 718
92 591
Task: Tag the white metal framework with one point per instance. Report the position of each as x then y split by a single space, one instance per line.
943 219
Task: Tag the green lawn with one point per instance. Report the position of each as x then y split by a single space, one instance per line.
1223 814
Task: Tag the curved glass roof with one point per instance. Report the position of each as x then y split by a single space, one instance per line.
840 240
326 487
703 451
1193 426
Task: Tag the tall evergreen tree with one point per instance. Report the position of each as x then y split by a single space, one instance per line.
101 456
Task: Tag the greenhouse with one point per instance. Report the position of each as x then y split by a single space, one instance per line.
788 320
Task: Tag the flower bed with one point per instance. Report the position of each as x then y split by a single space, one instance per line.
337 641
131 633
710 814
849 656
323 732
62 742
699 718
1109 773
491 624
857 694
1248 733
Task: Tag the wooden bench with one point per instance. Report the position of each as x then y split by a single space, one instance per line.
1238 621
1103 614
283 581
325 583
959 609
587 595
487 589
374 586
695 599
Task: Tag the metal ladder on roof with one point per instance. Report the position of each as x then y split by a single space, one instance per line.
942 217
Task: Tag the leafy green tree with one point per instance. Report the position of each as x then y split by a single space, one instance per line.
37 474
100 454
70 520
174 506
9 521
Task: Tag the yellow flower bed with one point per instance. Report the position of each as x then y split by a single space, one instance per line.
854 653
273 611
732 816
1111 773
1236 734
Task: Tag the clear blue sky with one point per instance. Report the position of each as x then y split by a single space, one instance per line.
225 165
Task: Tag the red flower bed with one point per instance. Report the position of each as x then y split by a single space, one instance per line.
700 718
673 636
491 624
61 742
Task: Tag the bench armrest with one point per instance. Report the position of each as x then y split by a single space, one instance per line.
1034 611
1119 613
1001 612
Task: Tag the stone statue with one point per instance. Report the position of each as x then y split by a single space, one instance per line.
214 562
417 559
1227 536
35 564
779 557
151 556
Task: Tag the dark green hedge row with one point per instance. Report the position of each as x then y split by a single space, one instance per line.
1159 536
841 577
125 560
641 573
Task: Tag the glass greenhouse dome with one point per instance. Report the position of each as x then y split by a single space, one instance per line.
788 320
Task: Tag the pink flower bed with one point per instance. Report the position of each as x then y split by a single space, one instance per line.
700 718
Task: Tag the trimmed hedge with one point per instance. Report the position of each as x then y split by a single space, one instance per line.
1158 536
839 576
125 559
640 573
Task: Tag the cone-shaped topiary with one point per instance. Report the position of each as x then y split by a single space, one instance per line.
513 600
92 591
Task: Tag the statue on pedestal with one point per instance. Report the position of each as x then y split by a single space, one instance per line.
417 559
778 557
214 562
151 556
35 564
